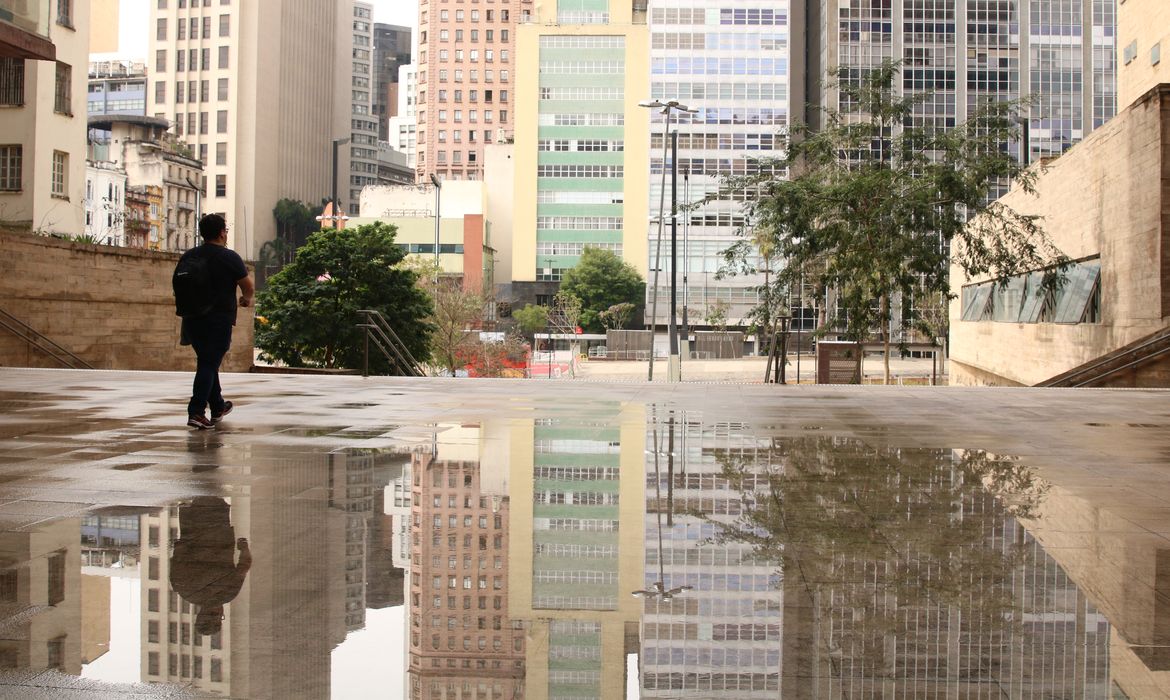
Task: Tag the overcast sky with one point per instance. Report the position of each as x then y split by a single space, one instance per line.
134 31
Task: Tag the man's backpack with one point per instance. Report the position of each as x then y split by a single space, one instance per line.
192 284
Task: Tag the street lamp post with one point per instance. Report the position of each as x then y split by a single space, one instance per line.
674 367
438 200
336 206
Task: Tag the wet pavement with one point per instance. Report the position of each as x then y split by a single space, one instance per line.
347 538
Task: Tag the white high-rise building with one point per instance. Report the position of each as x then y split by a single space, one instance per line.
403 128
246 84
740 68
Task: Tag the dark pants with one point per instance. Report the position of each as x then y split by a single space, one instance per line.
211 337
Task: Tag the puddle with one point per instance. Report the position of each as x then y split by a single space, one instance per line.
625 551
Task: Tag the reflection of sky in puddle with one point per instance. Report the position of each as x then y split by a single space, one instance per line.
768 559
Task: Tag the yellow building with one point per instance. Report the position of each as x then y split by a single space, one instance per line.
581 485
582 142
1143 37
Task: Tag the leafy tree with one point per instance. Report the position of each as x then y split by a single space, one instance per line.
716 315
531 318
311 306
295 222
457 313
600 280
874 202
616 316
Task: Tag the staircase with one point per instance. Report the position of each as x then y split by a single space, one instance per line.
1100 371
378 330
40 342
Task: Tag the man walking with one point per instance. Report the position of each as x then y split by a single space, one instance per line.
205 283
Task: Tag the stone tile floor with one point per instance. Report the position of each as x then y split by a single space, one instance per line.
114 443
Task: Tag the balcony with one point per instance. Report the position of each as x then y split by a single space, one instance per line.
24 30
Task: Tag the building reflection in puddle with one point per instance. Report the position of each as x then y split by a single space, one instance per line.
767 562
461 634
903 572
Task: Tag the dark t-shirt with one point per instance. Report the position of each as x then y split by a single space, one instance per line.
225 268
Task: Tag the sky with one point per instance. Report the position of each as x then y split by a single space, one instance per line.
134 34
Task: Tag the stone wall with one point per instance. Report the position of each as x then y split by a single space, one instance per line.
1108 196
113 307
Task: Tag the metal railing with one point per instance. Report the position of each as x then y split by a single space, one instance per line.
41 342
1106 367
378 330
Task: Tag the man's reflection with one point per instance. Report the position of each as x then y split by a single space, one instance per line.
204 570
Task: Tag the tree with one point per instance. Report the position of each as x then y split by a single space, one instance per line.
457 316
295 222
311 306
600 280
716 315
616 316
531 318
874 202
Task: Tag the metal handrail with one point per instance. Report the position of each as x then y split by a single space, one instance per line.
378 329
41 342
1085 374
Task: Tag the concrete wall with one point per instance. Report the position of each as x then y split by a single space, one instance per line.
1108 196
113 307
1144 24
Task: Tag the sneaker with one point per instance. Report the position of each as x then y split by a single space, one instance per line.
217 417
199 422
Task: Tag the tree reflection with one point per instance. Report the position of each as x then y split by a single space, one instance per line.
891 558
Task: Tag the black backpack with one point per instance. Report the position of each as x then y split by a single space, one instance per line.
192 284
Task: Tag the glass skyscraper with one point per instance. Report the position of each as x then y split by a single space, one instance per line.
732 61
750 68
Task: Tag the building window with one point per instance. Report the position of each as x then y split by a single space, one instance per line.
221 185
206 27
160 60
222 89
221 121
60 174
11 81
63 92
65 13
160 31
225 25
221 153
223 57
203 121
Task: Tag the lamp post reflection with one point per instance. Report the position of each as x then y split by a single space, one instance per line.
658 589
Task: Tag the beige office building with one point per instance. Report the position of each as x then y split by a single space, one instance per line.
1143 38
42 116
247 84
1104 203
466 69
